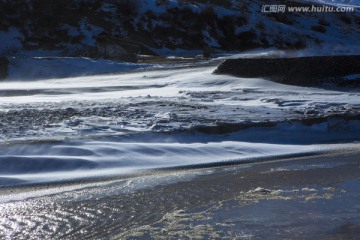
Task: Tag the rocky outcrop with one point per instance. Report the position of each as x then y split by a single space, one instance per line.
3 68
111 47
305 71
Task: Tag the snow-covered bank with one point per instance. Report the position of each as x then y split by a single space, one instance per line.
166 100
85 159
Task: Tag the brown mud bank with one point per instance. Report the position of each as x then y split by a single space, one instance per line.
341 71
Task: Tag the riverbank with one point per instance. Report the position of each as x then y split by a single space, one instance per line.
299 198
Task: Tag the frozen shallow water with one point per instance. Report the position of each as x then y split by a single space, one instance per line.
69 128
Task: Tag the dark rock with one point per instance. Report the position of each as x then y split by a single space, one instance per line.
303 71
4 63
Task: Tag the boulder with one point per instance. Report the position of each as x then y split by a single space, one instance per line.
303 71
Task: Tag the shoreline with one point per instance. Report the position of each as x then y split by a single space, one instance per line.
207 203
93 181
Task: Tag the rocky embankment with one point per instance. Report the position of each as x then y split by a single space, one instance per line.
3 68
343 71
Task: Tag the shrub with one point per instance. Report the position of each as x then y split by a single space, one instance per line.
319 28
322 21
209 16
345 18
227 25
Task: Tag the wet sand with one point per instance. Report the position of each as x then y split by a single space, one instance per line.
314 197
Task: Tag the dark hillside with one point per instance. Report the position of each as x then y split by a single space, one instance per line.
71 27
